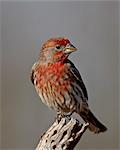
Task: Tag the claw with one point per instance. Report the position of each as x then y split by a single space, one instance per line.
68 115
59 116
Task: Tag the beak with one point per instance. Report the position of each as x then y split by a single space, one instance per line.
69 49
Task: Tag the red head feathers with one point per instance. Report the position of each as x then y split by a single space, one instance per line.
56 41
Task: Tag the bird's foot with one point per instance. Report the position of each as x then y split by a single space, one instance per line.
68 115
62 115
59 116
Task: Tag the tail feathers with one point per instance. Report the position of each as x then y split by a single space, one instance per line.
94 125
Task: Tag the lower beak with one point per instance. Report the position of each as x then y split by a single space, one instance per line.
69 49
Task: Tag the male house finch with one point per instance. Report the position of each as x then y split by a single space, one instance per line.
59 83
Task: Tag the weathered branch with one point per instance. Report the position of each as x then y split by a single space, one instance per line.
62 135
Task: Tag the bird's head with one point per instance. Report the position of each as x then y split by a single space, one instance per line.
56 49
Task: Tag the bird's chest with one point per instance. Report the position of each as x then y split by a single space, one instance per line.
53 77
53 86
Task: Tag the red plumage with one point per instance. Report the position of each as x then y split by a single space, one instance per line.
59 83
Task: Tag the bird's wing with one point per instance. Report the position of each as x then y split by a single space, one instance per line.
75 73
33 71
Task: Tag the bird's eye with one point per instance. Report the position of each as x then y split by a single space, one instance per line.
58 46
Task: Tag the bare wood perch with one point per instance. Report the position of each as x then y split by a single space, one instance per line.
62 135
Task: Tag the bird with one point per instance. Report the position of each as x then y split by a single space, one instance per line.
59 83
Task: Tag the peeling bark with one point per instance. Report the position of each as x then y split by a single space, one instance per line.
62 135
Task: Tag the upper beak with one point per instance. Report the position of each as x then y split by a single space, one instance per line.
69 48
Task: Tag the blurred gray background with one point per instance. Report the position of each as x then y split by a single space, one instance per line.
0 72
93 28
